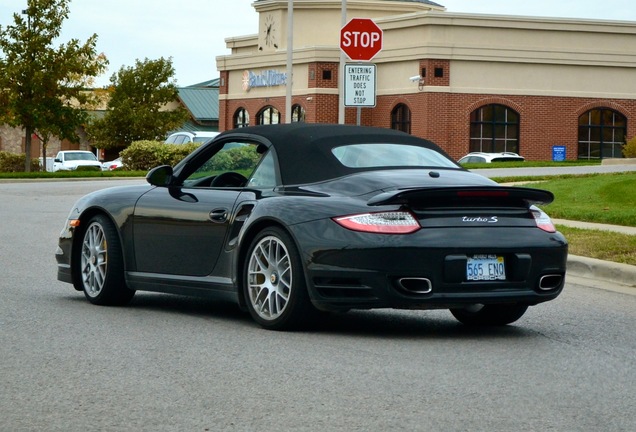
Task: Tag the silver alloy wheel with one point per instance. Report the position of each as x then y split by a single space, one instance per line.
269 278
94 261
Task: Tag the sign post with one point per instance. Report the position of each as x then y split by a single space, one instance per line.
360 40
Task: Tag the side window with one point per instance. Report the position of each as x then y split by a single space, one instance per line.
241 118
602 133
265 174
180 139
494 128
401 118
298 114
228 167
268 115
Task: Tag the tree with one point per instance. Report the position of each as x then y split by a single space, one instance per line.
138 108
42 87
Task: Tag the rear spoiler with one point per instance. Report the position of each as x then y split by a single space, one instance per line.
507 193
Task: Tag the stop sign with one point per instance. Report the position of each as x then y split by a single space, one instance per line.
361 39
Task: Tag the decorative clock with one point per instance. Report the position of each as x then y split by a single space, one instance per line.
271 28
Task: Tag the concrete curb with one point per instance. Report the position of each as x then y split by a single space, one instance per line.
607 271
619 161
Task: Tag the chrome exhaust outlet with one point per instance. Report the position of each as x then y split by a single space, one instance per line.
416 285
550 282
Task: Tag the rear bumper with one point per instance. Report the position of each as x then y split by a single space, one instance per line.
370 290
428 270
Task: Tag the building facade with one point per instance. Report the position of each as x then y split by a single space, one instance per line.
486 82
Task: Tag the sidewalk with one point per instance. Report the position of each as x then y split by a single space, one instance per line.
591 268
596 226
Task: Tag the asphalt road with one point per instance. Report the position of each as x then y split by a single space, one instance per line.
168 363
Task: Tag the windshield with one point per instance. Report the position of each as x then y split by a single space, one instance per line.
390 155
80 156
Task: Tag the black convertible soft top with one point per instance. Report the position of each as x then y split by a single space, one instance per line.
304 149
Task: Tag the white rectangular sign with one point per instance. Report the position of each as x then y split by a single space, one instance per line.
359 85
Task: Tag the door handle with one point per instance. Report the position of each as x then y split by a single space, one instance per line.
219 215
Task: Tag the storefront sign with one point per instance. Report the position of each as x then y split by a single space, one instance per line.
267 78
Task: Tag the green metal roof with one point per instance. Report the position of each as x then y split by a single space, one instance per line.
202 102
216 82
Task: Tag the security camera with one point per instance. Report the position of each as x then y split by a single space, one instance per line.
415 78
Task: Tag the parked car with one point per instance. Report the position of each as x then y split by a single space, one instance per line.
480 157
287 220
49 163
112 165
71 160
188 137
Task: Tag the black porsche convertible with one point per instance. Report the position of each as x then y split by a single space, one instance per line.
293 220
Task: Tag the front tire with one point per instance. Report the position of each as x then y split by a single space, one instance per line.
489 315
101 264
274 284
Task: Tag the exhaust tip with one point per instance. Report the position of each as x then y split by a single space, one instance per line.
550 282
415 285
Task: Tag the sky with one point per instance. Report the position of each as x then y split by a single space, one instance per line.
193 32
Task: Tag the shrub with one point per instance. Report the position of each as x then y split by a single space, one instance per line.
87 168
11 162
629 150
144 155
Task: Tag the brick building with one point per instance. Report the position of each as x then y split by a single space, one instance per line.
488 82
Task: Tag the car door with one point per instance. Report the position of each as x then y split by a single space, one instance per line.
181 229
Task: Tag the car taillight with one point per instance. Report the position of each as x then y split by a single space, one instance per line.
396 222
542 220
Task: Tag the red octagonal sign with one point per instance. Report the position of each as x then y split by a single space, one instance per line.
361 39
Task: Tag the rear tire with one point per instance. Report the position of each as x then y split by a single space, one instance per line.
274 284
101 264
489 315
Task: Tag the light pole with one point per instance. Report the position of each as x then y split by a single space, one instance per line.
290 60
341 68
28 131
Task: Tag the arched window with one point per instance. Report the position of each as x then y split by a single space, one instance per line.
241 118
268 115
601 134
401 118
298 114
494 128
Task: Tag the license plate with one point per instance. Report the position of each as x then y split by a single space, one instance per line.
485 267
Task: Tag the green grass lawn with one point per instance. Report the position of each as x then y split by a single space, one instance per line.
603 245
607 198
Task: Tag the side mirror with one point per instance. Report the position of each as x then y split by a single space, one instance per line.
57 160
160 176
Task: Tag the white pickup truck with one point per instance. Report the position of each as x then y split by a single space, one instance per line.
70 160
